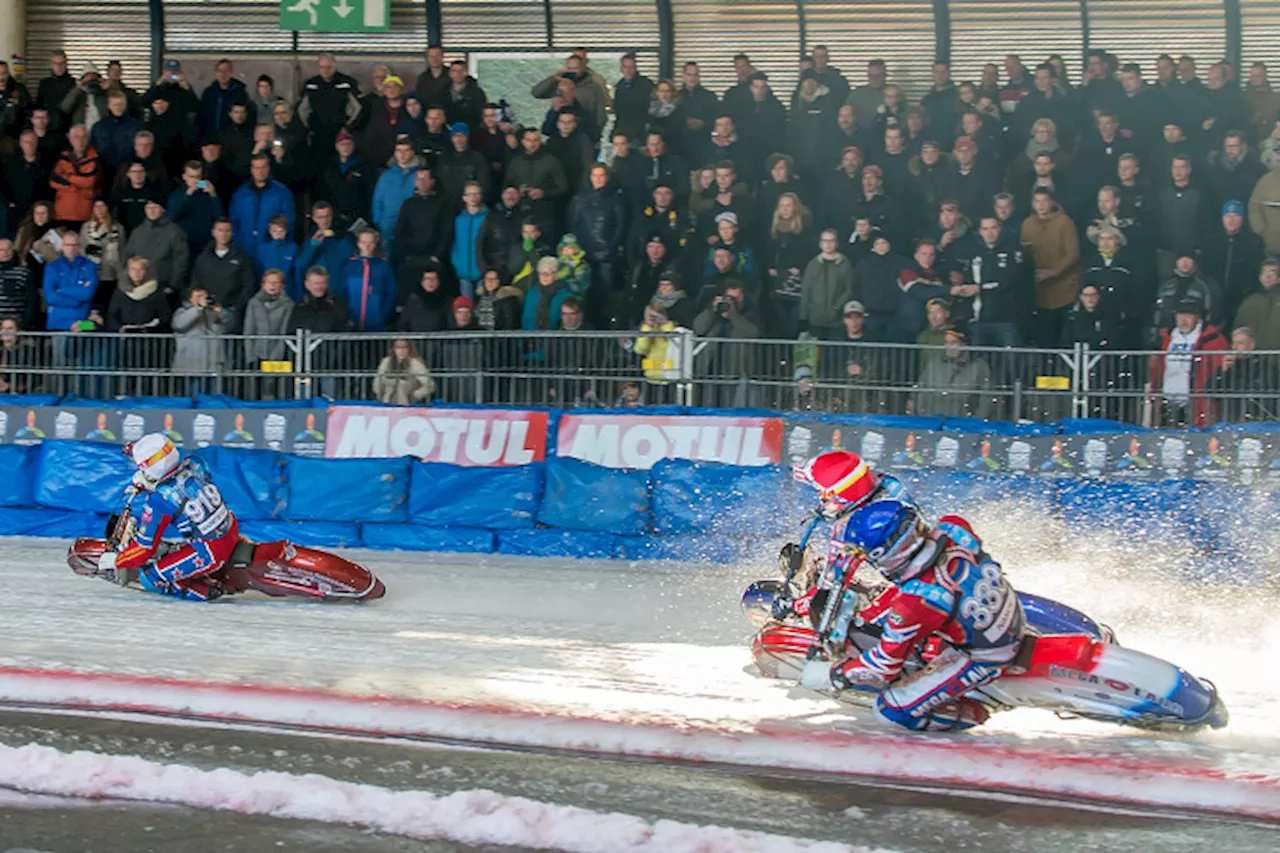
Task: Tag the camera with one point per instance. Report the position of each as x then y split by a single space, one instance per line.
721 305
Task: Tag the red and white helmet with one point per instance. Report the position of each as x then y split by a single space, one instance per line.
844 482
156 458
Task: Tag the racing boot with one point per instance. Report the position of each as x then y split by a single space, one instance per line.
118 576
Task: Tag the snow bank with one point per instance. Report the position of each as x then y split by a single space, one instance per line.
470 817
1173 777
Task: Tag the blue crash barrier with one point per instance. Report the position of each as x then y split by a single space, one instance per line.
582 496
349 489
679 510
442 495
253 482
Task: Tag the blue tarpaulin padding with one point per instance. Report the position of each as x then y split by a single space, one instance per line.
947 492
322 534
1246 426
415 537
1088 426
980 427
222 401
915 422
348 489
29 400
83 476
20 466
254 483
50 522
582 496
706 497
443 495
558 543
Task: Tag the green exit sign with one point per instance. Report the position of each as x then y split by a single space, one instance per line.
336 16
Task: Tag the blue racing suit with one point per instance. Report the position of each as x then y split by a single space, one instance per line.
190 502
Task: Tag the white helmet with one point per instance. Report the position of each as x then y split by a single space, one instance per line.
156 458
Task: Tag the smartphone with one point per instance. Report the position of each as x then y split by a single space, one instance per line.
276 143
202 185
173 77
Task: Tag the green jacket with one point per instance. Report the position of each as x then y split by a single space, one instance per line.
824 289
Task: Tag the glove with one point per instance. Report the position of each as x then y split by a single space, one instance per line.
850 674
107 562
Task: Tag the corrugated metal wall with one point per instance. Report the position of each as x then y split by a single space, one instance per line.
984 31
710 32
99 32
898 31
1140 30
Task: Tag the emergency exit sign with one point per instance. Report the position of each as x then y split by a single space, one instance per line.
336 16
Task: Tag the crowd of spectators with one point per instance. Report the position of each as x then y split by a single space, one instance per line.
1020 209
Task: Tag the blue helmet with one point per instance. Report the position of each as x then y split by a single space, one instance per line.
893 536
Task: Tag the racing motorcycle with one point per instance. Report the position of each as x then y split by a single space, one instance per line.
278 569
1067 664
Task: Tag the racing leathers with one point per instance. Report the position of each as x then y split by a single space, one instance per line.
190 503
961 596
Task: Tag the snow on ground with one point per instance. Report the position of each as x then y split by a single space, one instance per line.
652 643
472 817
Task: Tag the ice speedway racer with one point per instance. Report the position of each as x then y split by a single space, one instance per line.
824 610
208 558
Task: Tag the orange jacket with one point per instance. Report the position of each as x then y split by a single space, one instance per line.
75 183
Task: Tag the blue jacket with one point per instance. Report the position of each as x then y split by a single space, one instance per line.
195 215
393 188
252 209
112 138
332 253
463 256
68 290
529 321
369 288
277 254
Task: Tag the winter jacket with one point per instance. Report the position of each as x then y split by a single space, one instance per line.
369 288
277 255
1178 288
24 184
252 209
349 188
164 245
75 109
875 282
455 169
327 105
1264 211
406 384
1183 214
68 291
215 104
541 170
824 289
465 254
1118 286
263 316
465 104
195 215
138 307
394 187
1261 313
332 253
112 138
328 313
1001 273
1233 261
17 295
424 312
499 237
501 310
1055 249
597 219
198 348
918 287
955 387
75 182
1203 410
541 299
228 279
424 227
1097 328
590 95
105 247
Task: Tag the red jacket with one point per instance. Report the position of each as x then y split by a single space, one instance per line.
1204 411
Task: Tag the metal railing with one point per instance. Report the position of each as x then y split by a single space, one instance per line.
574 369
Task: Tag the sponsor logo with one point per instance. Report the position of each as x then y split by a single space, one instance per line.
456 436
1117 687
641 441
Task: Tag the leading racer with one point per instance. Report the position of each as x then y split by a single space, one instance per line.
179 493
943 583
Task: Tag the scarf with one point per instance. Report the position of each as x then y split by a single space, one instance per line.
1177 369
658 109
1035 148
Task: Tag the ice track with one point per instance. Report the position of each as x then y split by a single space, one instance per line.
545 647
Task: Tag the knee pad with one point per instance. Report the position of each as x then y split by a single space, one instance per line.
954 716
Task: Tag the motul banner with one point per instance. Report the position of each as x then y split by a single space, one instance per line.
475 438
640 441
